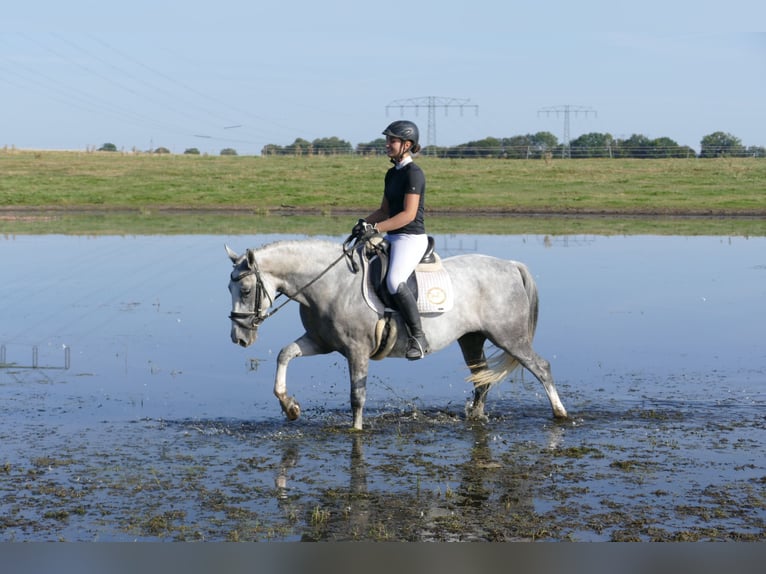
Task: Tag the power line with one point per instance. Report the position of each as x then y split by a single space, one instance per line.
150 95
566 110
431 103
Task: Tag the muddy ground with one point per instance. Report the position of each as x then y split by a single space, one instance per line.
644 471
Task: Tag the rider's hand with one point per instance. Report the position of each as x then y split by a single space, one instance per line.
369 231
359 228
363 230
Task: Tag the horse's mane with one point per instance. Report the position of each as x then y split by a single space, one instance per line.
309 251
299 244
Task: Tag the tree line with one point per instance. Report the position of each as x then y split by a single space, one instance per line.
541 145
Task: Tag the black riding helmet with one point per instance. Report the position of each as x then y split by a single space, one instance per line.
404 130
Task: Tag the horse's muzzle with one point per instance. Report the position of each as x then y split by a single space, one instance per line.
243 337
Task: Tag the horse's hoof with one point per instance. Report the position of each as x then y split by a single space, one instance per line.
293 409
475 413
477 417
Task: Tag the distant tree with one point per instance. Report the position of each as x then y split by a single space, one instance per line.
375 147
544 141
516 147
331 146
591 145
162 150
299 147
685 151
720 144
108 147
665 147
488 147
271 149
641 147
435 150
529 146
191 151
228 151
756 151
636 146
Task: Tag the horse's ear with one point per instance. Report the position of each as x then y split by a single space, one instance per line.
251 258
233 256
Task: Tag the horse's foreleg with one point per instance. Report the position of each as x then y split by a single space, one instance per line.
357 368
301 347
472 346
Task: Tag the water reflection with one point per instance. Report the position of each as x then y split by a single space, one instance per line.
144 319
461 490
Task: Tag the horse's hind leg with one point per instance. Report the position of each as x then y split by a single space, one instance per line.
541 369
302 347
472 346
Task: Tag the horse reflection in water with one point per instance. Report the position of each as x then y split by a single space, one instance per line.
479 495
495 300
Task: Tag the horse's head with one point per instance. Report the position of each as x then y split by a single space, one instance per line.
250 298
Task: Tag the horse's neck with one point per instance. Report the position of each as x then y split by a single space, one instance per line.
295 264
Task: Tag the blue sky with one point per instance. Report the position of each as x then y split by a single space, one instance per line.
244 74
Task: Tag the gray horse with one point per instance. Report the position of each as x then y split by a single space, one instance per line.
495 300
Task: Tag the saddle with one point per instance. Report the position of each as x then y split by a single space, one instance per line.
430 283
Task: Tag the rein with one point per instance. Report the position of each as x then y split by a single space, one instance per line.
255 316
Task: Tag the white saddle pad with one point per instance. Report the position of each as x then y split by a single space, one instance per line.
435 293
434 288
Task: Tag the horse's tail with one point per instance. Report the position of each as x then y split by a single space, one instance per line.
534 302
501 364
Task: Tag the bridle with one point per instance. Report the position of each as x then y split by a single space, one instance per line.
253 319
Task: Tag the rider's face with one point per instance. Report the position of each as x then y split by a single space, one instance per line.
395 147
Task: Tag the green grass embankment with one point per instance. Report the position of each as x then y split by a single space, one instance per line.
109 192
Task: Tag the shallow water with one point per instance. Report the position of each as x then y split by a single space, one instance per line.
128 413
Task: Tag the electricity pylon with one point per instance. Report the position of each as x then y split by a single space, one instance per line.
566 110
431 103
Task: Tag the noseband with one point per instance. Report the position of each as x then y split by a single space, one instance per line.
252 319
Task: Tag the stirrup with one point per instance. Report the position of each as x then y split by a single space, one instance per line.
415 349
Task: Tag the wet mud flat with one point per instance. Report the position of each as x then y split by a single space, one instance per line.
671 468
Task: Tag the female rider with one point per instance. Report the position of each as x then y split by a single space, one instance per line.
401 217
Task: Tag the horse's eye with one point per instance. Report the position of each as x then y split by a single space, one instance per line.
245 292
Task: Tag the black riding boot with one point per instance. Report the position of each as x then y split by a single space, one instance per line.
417 346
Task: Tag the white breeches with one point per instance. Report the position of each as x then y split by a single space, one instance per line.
406 253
